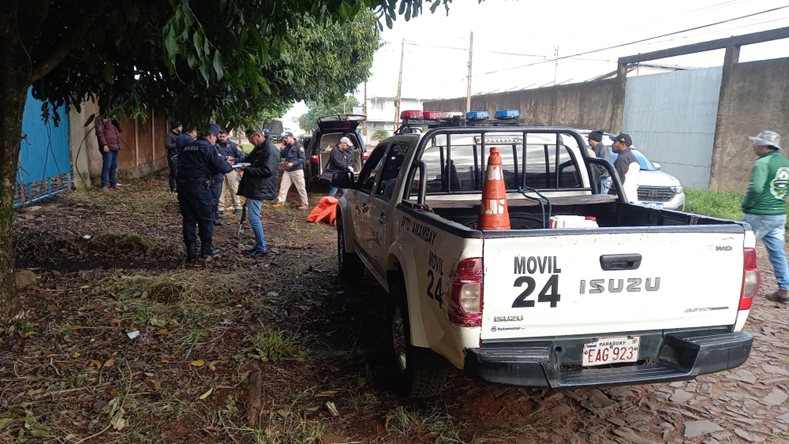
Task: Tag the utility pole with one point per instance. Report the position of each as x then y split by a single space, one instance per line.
364 111
556 66
399 87
470 58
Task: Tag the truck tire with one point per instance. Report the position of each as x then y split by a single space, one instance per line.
349 263
419 372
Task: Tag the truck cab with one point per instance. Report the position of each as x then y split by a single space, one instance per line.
646 295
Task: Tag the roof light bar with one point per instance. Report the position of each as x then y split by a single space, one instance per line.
504 114
451 114
499 139
477 115
411 114
432 115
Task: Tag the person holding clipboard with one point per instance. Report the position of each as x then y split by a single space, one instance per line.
292 164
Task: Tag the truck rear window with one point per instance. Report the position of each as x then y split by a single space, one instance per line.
459 166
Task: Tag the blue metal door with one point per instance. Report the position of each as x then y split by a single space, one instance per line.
44 167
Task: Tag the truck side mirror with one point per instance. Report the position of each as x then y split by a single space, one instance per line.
657 165
342 179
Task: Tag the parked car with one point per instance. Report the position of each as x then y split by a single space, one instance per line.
330 130
656 189
646 296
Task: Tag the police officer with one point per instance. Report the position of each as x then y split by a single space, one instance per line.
198 165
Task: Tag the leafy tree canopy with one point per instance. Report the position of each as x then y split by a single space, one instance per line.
379 134
235 61
309 120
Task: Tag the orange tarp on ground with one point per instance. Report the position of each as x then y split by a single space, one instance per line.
326 210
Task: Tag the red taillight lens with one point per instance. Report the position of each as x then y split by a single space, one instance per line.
365 155
465 304
751 278
315 158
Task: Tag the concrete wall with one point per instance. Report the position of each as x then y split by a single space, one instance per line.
754 97
142 147
589 105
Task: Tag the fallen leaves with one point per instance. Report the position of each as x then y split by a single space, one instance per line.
207 394
198 363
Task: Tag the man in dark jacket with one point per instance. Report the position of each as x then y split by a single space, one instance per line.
230 182
198 165
293 164
601 174
259 183
340 159
169 142
626 166
108 131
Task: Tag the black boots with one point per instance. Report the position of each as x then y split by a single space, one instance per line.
207 250
191 253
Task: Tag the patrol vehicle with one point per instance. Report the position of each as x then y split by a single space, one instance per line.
648 295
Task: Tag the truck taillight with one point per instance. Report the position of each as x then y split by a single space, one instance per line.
365 155
315 158
465 303
751 279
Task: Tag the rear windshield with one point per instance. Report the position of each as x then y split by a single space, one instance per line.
458 166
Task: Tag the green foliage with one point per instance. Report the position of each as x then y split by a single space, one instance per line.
379 134
722 204
309 120
235 61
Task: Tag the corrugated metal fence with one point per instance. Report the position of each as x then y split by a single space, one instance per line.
44 167
672 117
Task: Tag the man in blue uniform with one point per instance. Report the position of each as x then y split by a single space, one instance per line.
198 165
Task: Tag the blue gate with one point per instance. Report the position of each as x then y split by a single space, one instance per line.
44 167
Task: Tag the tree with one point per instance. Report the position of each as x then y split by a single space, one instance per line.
309 120
133 55
379 134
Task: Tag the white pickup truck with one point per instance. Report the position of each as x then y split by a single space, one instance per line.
649 296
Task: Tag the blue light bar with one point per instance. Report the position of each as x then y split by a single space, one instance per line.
477 115
507 114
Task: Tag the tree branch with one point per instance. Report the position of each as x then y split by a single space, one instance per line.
76 38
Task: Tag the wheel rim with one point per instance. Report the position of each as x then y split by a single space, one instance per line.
398 339
340 245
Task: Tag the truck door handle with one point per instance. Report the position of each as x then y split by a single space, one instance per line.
620 261
382 218
365 207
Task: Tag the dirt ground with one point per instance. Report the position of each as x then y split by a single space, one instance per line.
124 343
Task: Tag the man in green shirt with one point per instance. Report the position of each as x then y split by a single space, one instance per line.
765 208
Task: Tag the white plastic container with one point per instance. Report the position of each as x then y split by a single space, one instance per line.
573 222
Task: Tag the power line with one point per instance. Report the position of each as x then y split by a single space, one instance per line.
638 41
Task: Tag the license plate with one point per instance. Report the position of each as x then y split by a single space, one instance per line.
653 204
611 351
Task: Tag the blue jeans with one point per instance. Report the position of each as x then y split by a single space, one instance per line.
605 185
253 210
334 190
109 165
771 230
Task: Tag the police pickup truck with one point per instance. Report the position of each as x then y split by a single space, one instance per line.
649 295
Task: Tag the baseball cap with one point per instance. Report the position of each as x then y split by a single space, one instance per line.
288 134
346 140
597 136
767 138
213 128
623 138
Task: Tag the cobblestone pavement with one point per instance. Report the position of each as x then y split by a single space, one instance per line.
745 405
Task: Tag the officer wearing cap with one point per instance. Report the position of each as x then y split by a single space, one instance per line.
601 152
626 166
198 165
293 166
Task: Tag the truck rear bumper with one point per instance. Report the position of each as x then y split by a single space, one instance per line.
664 356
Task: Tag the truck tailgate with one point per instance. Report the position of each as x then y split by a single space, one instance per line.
592 282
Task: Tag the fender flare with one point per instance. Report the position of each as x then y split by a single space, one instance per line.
402 253
350 233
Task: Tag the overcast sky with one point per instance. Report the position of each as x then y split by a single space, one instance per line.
509 34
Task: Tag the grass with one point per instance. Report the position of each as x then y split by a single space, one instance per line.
433 425
722 204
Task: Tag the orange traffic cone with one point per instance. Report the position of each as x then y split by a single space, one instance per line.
493 214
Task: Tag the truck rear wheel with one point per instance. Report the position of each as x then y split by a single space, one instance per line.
349 263
419 372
